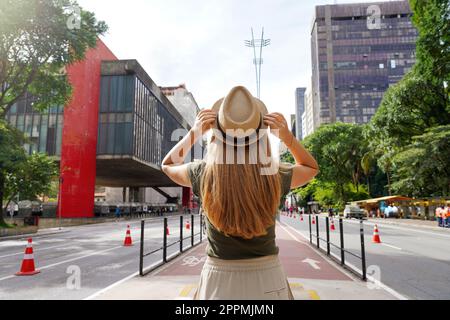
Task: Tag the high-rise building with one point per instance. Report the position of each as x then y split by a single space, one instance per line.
358 51
299 109
293 126
308 116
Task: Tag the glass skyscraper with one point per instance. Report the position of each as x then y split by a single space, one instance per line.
358 51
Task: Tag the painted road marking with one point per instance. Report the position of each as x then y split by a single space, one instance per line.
187 289
68 260
401 228
299 287
34 249
391 246
313 263
313 294
192 261
296 285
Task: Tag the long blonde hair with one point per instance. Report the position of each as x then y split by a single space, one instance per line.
238 199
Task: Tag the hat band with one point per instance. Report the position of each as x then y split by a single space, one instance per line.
235 139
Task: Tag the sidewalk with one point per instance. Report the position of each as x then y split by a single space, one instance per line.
311 276
426 224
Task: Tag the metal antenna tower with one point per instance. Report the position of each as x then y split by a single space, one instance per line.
257 61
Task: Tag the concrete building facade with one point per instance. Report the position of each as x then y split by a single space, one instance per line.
299 109
358 51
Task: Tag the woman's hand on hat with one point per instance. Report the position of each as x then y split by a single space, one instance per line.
204 121
278 125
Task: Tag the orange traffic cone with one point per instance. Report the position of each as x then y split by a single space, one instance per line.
313 220
188 225
27 268
332 225
167 231
376 236
128 242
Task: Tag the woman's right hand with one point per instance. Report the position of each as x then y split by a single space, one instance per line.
278 126
204 121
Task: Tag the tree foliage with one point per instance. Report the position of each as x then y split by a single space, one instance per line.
423 167
38 38
432 20
31 177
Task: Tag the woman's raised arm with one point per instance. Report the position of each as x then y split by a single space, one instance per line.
173 163
306 167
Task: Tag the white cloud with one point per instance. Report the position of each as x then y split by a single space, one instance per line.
201 43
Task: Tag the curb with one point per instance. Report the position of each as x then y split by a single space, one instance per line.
32 235
406 225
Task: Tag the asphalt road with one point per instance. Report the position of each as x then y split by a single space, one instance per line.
94 252
413 261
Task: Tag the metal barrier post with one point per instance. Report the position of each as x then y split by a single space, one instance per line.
317 232
192 230
363 251
310 229
327 224
201 226
141 252
341 230
181 233
165 241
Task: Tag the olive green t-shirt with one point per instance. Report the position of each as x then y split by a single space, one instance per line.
231 247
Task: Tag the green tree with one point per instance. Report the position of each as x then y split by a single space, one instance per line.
415 105
408 108
424 165
432 20
32 177
339 148
38 39
12 154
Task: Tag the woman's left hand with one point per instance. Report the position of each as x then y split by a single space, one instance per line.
204 121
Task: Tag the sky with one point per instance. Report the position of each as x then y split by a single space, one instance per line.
201 43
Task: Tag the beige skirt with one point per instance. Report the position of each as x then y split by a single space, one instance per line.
246 279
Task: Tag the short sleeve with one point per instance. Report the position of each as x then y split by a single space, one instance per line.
285 171
195 170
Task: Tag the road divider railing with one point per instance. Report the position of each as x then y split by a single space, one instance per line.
341 246
165 245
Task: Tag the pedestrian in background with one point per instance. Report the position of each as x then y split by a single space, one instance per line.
447 216
438 214
117 213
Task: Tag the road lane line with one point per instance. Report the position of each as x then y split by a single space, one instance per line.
69 260
401 228
370 278
391 246
96 294
34 250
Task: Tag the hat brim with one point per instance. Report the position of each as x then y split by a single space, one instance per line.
262 130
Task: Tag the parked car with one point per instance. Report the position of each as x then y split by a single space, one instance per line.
353 211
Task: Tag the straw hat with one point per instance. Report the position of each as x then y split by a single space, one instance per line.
239 118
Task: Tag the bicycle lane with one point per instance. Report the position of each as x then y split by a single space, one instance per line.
310 274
